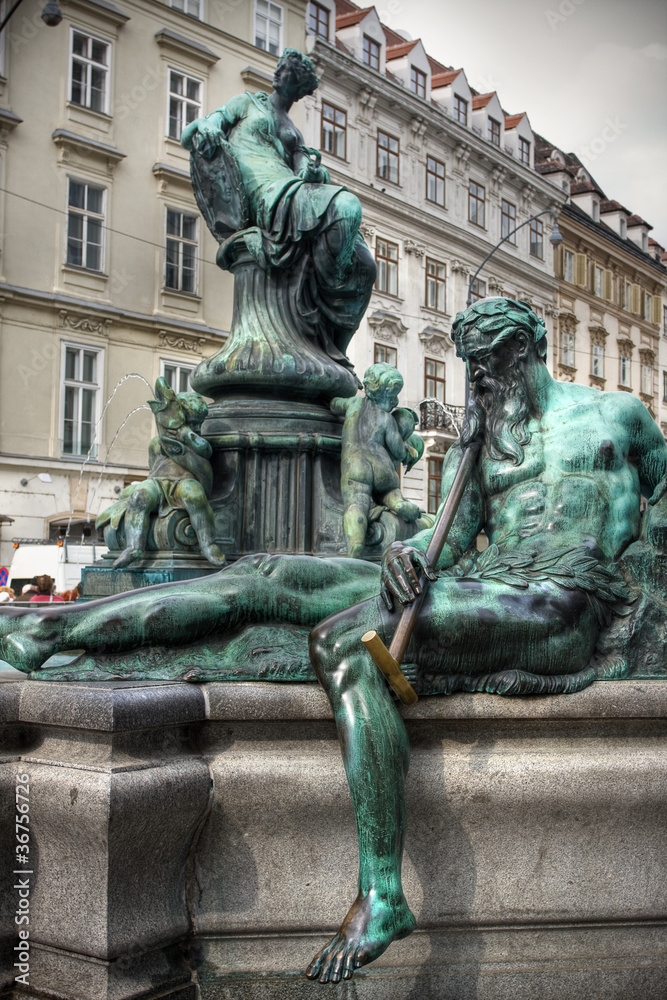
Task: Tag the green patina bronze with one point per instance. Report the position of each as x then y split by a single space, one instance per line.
378 437
572 587
180 479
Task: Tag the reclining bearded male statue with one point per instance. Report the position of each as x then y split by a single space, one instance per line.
557 489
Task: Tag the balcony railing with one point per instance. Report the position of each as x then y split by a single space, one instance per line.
434 415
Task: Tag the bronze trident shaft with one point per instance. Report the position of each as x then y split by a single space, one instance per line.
389 660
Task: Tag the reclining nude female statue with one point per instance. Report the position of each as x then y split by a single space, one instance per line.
557 489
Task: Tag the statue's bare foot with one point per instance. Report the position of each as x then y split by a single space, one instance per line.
127 556
214 554
370 926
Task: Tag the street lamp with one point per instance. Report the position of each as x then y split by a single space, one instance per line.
43 477
555 239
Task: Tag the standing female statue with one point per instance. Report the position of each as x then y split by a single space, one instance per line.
265 194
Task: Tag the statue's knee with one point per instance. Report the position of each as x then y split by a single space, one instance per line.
348 208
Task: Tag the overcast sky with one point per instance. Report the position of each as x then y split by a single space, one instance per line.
591 74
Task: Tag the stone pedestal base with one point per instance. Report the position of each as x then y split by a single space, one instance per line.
102 580
189 838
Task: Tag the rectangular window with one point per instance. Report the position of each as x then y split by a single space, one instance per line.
598 278
624 370
184 101
371 53
176 375
435 181
436 283
647 379
318 21
460 110
664 387
386 257
476 203
417 82
537 238
181 252
648 302
90 71
664 320
494 132
568 266
81 389
191 7
434 379
477 290
597 360
269 26
627 296
524 151
508 220
388 151
567 349
434 484
85 225
384 355
333 138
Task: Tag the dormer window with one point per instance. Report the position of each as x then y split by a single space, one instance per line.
494 132
460 110
596 210
645 242
623 228
318 21
524 150
417 82
371 53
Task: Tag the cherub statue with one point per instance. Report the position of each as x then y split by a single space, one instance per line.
378 437
180 477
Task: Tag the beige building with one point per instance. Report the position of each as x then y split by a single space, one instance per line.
610 300
443 173
107 269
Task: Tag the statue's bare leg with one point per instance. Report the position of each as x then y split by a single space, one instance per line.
470 628
143 502
376 756
357 502
194 499
395 501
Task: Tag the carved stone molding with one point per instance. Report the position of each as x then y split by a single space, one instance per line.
367 231
647 356
84 324
648 402
625 346
458 267
79 150
596 382
368 99
166 175
181 342
566 373
598 334
415 248
568 322
435 340
552 311
495 285
387 326
418 127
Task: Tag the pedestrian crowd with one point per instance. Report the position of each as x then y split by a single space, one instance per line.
41 589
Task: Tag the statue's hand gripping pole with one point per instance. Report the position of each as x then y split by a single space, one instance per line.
389 660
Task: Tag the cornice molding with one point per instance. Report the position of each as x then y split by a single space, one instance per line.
181 342
168 39
84 323
387 326
69 142
253 77
100 8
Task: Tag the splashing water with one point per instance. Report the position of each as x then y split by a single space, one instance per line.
143 406
97 427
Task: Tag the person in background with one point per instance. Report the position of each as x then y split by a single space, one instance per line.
72 595
29 590
6 594
44 590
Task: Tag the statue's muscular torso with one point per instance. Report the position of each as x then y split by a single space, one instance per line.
578 480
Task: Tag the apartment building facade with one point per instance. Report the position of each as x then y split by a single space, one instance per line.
443 174
107 269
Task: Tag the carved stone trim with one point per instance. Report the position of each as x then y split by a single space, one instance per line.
106 11
387 326
84 324
553 311
648 402
568 322
598 334
435 340
625 346
368 98
496 285
166 174
181 342
69 143
418 127
185 46
597 382
566 373
458 267
647 356
253 77
367 231
415 248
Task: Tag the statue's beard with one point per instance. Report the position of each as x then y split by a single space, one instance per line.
500 410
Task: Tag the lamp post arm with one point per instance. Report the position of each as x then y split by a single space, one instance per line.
491 252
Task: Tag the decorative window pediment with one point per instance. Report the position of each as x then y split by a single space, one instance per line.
387 326
185 47
435 340
80 151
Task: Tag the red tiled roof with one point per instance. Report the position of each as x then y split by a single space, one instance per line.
551 167
398 51
636 220
581 187
354 17
481 100
436 67
444 79
511 121
345 7
612 206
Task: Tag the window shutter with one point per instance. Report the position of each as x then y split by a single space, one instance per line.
580 269
656 309
607 285
636 299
